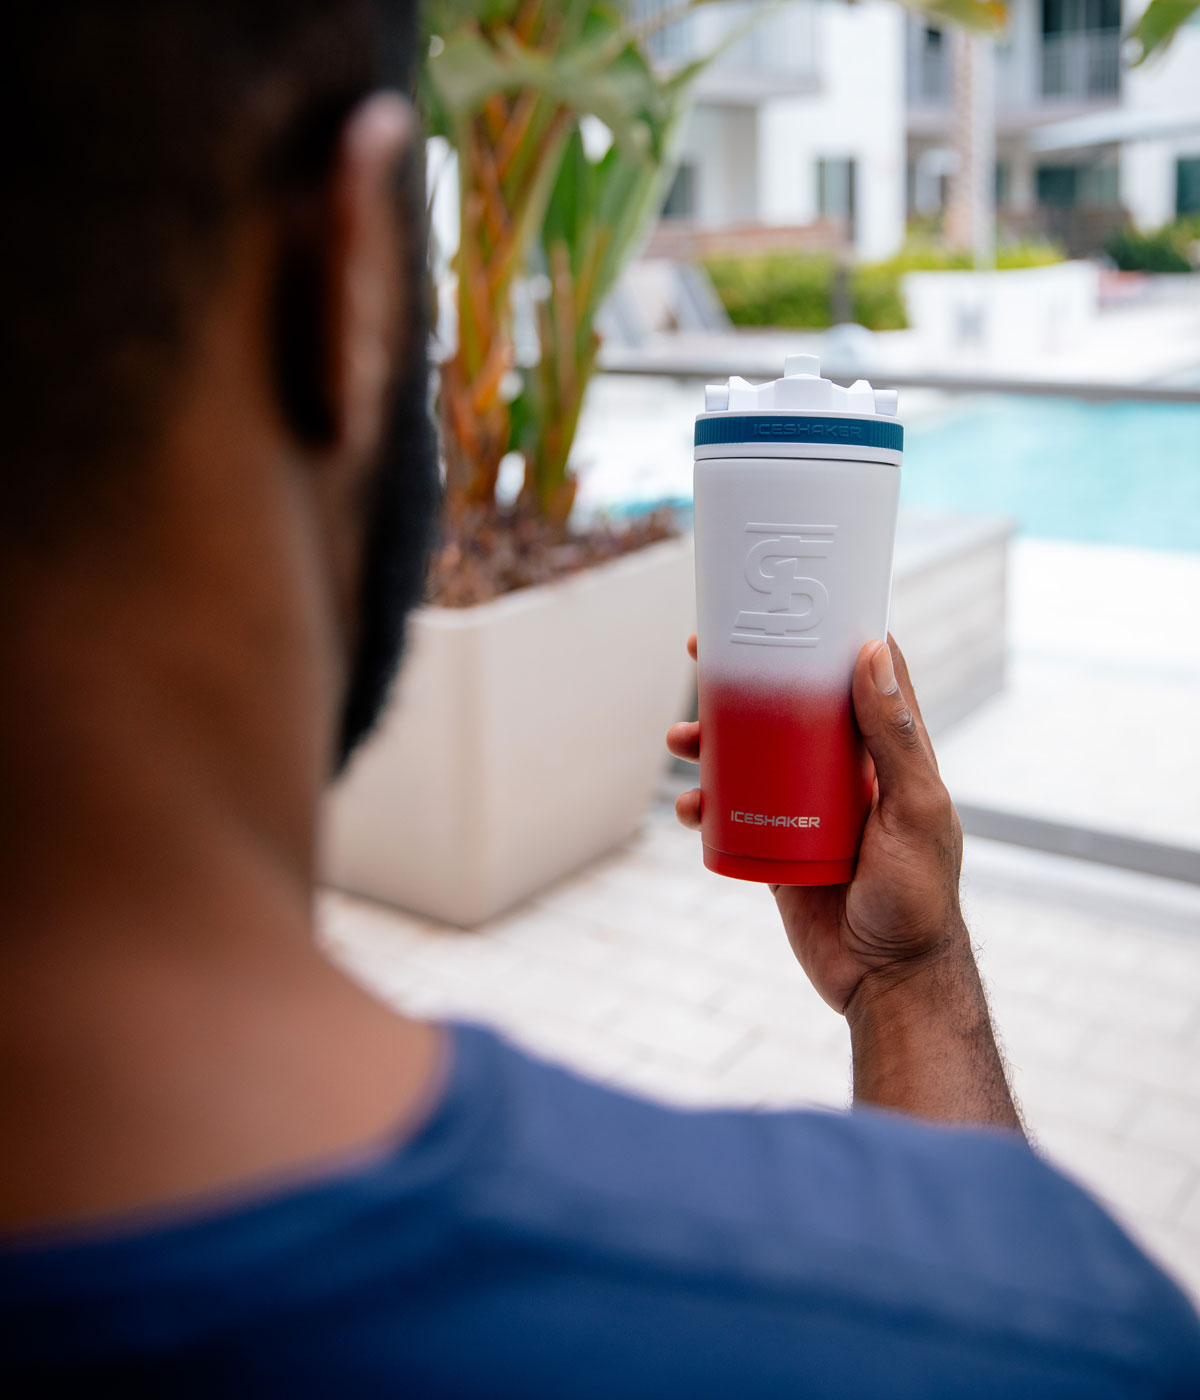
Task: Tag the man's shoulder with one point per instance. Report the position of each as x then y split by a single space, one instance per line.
815 1169
966 1227
568 1229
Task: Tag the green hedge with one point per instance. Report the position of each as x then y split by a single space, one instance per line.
797 289
1167 249
774 289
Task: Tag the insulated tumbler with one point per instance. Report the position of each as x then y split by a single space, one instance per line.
796 488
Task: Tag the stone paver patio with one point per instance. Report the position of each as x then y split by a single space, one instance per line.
647 971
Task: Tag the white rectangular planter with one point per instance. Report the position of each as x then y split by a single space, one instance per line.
949 609
523 739
1017 311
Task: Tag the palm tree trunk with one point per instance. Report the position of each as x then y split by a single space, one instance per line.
971 205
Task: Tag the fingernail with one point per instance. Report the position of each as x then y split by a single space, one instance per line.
882 672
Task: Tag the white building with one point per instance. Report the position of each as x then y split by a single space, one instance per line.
799 121
1081 138
842 113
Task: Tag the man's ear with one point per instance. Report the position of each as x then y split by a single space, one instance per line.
339 285
365 286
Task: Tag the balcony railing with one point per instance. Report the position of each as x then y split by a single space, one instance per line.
780 49
1081 67
928 72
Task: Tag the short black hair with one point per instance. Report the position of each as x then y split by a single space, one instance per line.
137 132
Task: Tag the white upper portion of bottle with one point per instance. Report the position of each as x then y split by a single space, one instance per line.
800 390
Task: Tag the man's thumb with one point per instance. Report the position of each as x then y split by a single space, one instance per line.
889 725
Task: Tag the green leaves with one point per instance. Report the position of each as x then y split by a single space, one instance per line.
1161 21
601 72
508 82
599 209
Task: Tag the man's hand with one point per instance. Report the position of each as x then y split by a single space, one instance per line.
890 950
901 908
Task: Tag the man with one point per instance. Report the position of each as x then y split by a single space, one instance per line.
226 1169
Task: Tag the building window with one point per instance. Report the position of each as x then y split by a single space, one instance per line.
1057 186
667 43
1100 185
1002 184
927 64
1094 186
681 197
1081 48
836 191
1187 185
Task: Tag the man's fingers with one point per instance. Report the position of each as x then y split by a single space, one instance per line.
683 741
895 737
910 694
687 809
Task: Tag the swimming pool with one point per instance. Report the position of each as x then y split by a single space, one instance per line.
1102 473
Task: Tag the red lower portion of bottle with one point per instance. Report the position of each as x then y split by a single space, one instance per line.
785 784
780 872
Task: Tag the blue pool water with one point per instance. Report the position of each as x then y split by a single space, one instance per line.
1119 473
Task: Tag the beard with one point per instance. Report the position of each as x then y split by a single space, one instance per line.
403 509
402 506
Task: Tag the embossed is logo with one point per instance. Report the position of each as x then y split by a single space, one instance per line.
795 603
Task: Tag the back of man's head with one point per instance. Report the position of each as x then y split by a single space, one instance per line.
139 131
160 152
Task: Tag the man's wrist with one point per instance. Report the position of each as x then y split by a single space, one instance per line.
922 1039
942 981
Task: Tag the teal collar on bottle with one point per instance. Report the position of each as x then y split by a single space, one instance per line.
833 430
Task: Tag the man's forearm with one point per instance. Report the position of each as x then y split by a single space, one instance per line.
922 1042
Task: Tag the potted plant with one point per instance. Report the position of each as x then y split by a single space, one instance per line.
525 733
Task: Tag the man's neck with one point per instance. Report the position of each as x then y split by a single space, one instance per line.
164 1016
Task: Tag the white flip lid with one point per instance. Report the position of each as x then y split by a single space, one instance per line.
801 389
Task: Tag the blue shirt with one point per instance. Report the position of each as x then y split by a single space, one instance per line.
544 1236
